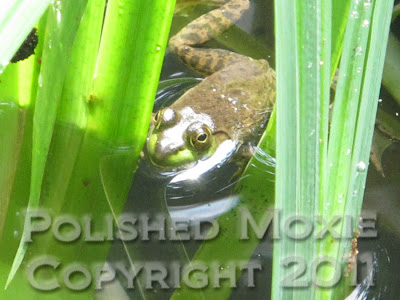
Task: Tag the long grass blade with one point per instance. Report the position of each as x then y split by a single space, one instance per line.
340 11
303 73
61 32
359 83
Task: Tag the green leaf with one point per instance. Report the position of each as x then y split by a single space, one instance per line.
303 74
124 121
352 126
92 111
340 11
60 37
319 180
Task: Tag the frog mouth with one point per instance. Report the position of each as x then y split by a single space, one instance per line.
165 158
173 162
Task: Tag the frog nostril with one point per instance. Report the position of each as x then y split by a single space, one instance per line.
171 149
163 151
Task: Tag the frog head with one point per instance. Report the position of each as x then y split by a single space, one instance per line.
179 138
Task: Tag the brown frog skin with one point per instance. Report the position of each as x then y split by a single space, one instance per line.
233 103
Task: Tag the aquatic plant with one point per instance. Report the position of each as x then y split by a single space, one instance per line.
74 117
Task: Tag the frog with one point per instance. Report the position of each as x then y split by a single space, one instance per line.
233 103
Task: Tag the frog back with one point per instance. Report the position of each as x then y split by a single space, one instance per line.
239 99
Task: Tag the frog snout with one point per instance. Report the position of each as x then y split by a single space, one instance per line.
165 154
161 152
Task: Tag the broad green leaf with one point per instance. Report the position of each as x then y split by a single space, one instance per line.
74 166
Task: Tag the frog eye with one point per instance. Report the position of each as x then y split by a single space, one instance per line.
164 117
200 137
157 118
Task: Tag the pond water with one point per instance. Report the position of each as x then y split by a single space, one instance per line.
211 192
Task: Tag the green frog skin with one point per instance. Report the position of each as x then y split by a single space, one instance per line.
233 102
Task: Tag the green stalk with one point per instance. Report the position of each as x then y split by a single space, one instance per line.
303 76
14 90
307 180
60 36
340 11
79 77
368 83
78 169
10 136
120 111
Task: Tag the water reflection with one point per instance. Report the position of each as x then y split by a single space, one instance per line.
200 212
